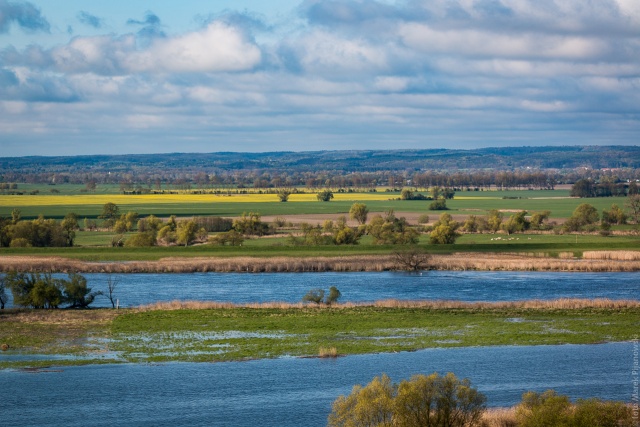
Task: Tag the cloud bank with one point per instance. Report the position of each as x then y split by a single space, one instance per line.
337 74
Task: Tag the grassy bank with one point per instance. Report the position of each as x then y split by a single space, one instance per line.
214 332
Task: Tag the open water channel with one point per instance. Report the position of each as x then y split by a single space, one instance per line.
299 392
138 289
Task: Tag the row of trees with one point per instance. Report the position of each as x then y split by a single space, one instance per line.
39 232
604 188
37 290
446 401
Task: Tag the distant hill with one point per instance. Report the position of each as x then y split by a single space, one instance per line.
505 158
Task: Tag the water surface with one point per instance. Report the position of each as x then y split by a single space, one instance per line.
295 392
138 289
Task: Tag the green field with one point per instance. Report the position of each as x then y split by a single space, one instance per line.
222 334
466 203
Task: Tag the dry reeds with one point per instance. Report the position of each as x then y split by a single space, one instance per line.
499 417
594 261
613 255
557 304
327 352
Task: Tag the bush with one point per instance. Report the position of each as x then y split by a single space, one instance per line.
141 239
552 409
423 219
325 196
423 401
438 205
314 295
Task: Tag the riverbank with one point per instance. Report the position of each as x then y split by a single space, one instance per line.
209 332
588 261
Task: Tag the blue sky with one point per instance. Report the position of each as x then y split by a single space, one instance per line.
86 77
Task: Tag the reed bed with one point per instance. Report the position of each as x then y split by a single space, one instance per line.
595 261
557 304
612 255
328 352
499 417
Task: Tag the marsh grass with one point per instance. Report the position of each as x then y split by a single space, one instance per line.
596 261
237 332
49 331
206 331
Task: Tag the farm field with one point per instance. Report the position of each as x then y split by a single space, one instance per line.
184 204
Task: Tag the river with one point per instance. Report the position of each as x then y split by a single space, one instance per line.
295 392
470 286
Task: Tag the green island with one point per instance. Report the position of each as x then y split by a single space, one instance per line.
197 332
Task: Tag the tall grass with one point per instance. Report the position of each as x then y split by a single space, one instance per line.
593 262
557 304
612 255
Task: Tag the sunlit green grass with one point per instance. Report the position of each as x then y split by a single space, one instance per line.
249 333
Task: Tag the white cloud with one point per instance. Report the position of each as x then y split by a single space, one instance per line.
216 48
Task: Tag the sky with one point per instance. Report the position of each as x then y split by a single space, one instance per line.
125 77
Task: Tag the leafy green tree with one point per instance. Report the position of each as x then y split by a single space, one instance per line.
186 233
283 195
390 230
76 293
552 409
325 196
583 188
584 215
110 214
359 212
438 205
471 224
614 216
494 220
90 224
444 231
314 295
44 291
16 215
334 295
538 220
251 224
342 234
406 194
517 223
231 238
422 401
371 405
142 239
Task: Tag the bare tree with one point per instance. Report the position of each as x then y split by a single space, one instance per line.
413 259
112 284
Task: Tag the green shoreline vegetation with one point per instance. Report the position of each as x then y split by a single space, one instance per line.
198 332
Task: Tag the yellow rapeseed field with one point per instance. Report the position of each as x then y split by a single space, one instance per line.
120 199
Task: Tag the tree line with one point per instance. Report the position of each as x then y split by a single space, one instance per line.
219 180
43 291
446 401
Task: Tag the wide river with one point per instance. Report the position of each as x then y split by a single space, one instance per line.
138 289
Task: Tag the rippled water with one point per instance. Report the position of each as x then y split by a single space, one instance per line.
295 392
137 289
